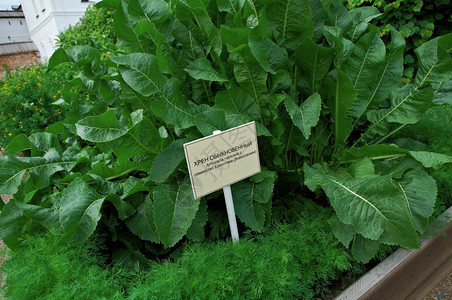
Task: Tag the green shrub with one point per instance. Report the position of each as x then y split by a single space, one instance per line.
434 135
26 98
417 21
323 87
95 29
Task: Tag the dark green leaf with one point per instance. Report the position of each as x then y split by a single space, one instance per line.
142 223
419 191
314 62
196 230
364 249
306 116
201 69
374 206
291 19
211 120
167 161
12 221
102 128
174 210
252 199
80 210
342 94
343 232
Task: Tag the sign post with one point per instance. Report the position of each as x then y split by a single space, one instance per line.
221 159
230 208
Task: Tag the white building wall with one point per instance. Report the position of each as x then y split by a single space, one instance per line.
13 30
47 18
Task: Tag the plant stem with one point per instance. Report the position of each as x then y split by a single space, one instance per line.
391 133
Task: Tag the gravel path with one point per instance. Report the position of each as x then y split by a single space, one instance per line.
442 291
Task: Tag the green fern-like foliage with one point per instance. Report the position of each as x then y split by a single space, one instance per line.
44 268
289 261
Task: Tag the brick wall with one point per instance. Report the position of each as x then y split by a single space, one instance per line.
19 59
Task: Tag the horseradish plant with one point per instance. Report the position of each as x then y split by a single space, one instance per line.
323 86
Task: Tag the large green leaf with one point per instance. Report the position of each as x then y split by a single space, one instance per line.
361 17
141 139
174 210
201 69
231 7
140 71
434 59
196 9
419 191
12 221
407 106
211 120
236 100
167 161
443 93
368 56
196 230
19 143
109 173
364 249
142 222
338 16
252 199
341 96
80 210
13 169
270 56
388 74
248 72
374 206
343 232
305 116
102 128
314 62
156 11
125 29
376 152
46 216
431 159
124 208
190 39
291 20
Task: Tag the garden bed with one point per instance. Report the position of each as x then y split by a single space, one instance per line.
409 274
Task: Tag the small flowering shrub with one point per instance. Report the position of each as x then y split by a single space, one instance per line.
26 98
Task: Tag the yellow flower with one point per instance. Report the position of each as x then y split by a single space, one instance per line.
10 134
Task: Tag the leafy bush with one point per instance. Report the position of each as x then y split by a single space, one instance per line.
417 21
95 29
26 98
297 261
325 90
430 133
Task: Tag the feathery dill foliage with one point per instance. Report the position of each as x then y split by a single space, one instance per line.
289 261
44 268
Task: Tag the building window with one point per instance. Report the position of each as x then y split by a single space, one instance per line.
85 0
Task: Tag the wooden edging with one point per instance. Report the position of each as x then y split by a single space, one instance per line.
408 274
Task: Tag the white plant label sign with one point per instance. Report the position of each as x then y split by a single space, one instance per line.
222 159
